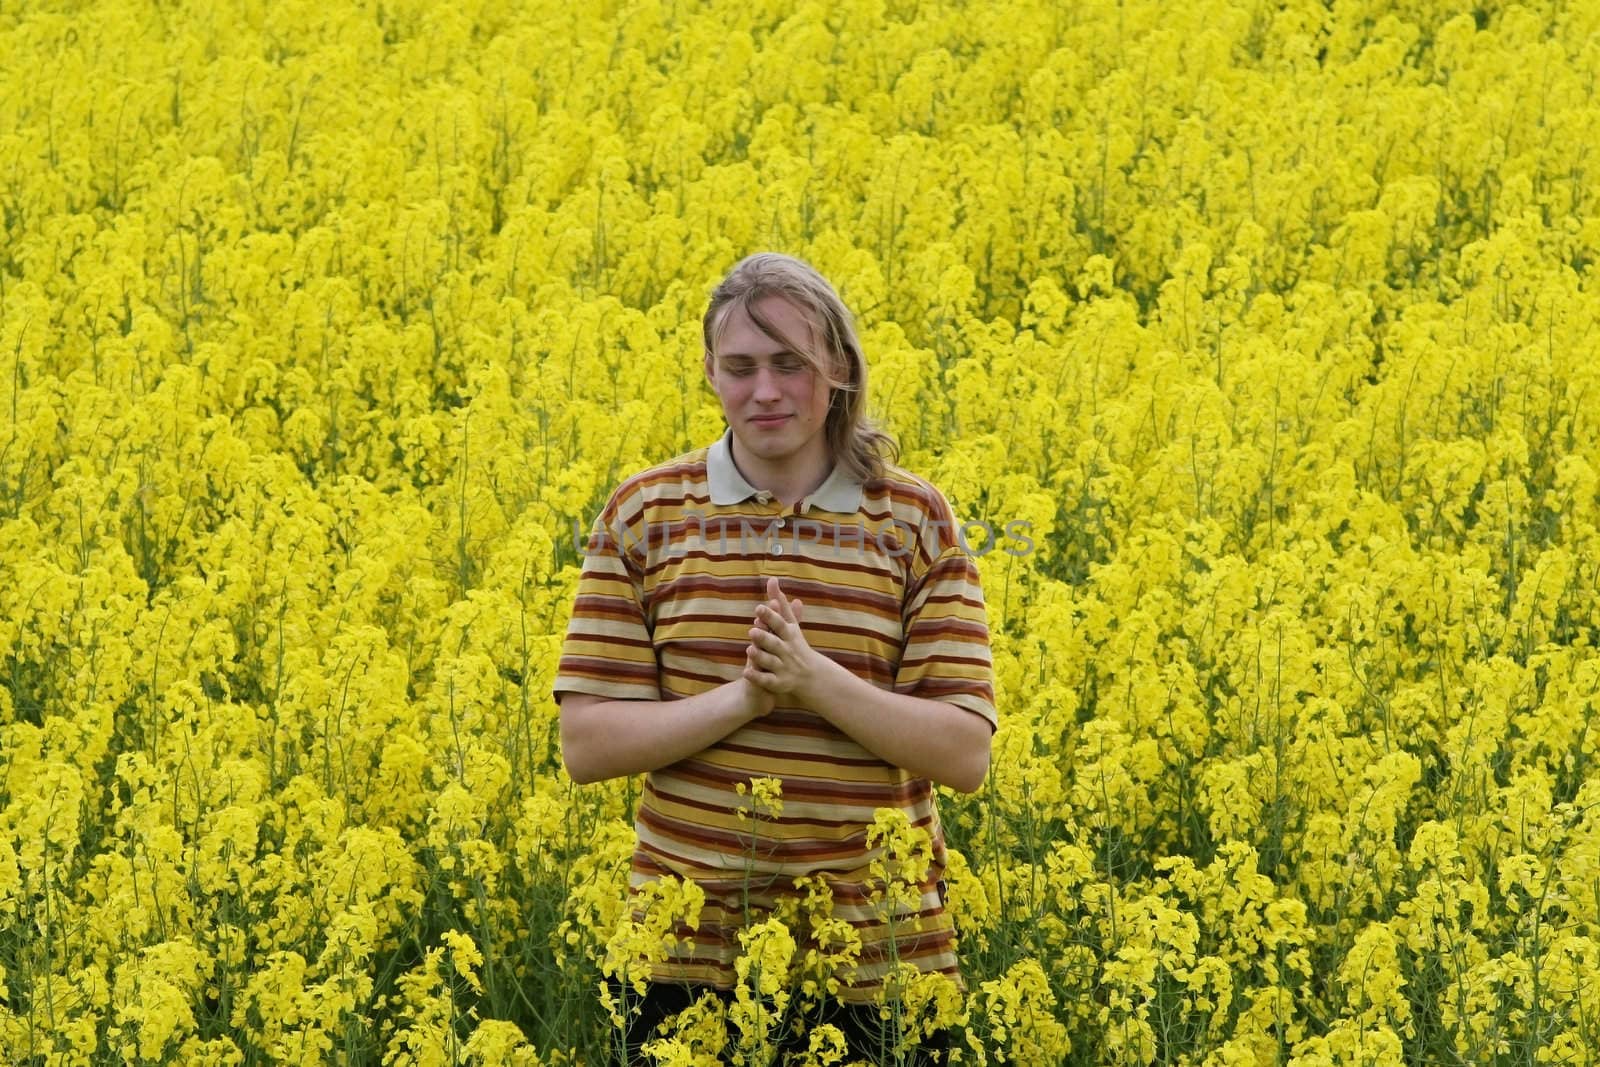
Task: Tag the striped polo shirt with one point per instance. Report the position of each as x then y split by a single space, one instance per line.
672 573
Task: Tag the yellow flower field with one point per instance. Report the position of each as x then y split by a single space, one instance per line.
1263 333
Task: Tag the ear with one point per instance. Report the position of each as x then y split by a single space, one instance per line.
711 377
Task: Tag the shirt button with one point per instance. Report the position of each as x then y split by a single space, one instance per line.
777 550
779 524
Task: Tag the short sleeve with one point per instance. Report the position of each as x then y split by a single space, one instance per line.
946 652
608 650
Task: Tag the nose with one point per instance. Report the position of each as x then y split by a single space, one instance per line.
766 386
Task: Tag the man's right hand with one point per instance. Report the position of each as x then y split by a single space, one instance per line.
762 701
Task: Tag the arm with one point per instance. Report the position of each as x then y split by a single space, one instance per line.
611 738
613 720
603 738
930 738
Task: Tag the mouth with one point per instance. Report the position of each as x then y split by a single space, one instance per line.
768 420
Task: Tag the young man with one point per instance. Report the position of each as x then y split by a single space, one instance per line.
781 604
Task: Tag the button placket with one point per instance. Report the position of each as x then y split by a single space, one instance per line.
775 531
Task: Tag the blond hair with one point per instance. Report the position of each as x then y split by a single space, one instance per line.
854 440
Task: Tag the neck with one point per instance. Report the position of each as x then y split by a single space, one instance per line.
789 482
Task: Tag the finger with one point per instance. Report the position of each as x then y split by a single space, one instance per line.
795 605
771 618
778 613
765 640
786 609
775 593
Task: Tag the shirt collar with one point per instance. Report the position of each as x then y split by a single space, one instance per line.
838 493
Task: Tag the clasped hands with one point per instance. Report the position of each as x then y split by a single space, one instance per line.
779 662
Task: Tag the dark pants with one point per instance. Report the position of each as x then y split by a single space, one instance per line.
862 1029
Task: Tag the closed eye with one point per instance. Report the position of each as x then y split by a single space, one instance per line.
785 363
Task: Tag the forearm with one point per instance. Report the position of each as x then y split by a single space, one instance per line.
930 738
603 739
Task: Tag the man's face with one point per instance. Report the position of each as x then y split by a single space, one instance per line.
775 403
